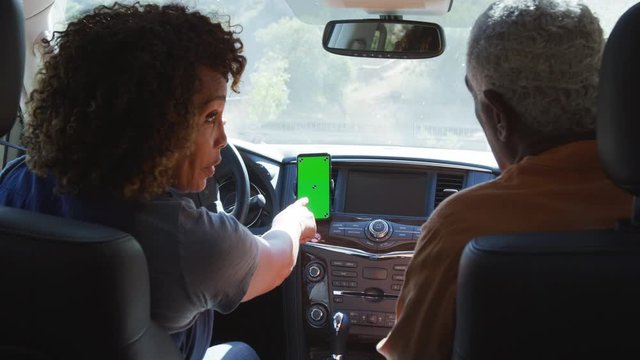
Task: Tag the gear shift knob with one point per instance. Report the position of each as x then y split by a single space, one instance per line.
341 325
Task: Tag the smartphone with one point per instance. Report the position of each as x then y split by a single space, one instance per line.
314 179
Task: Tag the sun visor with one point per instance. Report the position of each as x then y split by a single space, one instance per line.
32 8
321 11
423 7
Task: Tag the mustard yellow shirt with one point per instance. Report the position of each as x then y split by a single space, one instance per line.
563 188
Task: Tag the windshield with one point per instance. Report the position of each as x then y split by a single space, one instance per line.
294 92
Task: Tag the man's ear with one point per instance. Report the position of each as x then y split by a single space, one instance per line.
501 112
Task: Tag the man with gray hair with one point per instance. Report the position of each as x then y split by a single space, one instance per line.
532 69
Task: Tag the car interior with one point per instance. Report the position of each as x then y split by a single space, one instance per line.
333 77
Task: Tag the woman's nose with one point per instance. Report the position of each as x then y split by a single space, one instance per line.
220 139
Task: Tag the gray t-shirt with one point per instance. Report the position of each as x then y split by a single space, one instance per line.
197 259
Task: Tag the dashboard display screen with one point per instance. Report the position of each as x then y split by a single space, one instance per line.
386 193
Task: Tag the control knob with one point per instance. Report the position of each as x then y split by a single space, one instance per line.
317 315
379 230
314 271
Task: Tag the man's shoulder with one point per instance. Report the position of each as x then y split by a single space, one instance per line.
466 214
469 200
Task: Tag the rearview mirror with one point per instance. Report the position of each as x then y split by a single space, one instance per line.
384 38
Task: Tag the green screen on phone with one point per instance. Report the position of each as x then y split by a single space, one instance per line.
314 178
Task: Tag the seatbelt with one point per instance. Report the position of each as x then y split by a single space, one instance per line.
6 141
10 166
13 146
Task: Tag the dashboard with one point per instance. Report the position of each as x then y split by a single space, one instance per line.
378 203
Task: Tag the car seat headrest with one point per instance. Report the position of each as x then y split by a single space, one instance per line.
11 61
618 124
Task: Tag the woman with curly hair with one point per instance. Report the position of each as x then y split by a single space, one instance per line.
127 115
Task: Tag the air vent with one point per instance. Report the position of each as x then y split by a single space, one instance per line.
446 185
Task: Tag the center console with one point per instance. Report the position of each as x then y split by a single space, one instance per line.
358 268
359 271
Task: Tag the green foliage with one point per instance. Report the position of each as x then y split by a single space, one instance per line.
317 78
270 93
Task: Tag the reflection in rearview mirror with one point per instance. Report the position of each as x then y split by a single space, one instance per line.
384 38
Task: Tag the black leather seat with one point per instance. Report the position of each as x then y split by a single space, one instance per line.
566 295
70 290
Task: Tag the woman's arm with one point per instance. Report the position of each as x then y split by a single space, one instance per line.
278 247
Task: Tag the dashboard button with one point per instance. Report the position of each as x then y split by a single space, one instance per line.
350 264
353 232
398 277
402 235
337 263
344 273
371 244
396 287
352 225
357 317
374 273
400 267
336 232
387 244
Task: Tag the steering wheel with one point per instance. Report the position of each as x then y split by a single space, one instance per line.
232 163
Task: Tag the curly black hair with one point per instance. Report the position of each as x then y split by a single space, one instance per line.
114 105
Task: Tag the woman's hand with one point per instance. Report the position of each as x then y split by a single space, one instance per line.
297 219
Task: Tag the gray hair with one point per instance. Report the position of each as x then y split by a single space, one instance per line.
543 56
